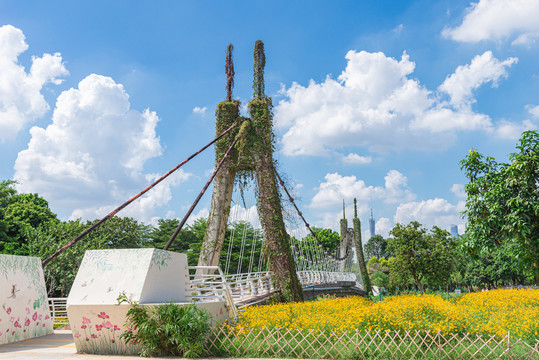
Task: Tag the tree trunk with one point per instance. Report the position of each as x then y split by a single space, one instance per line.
536 272
418 283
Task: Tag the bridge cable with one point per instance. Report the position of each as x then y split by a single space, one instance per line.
232 233
308 254
244 233
119 208
260 262
305 221
293 245
253 251
301 249
317 253
256 235
176 232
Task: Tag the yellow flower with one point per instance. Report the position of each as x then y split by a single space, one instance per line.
494 312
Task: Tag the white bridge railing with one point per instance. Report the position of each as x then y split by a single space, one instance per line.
240 290
57 307
313 277
237 290
209 287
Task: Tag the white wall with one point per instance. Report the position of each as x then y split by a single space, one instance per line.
24 309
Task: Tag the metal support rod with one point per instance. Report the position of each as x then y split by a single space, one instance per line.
115 211
305 221
176 232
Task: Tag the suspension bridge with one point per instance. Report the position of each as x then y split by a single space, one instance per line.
283 259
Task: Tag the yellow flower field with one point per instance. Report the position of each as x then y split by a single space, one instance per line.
493 312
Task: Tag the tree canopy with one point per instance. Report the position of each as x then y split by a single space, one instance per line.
421 255
376 246
18 212
503 202
330 239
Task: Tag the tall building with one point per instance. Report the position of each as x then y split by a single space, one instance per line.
372 225
454 231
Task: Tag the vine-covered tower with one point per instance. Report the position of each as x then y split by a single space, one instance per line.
253 157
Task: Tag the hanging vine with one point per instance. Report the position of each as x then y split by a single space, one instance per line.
226 114
229 70
259 64
254 155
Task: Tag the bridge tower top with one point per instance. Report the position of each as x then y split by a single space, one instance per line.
253 158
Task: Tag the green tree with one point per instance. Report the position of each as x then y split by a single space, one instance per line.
379 271
380 279
7 191
17 213
307 247
376 246
493 269
188 241
241 232
6 194
420 255
121 233
503 201
198 230
330 239
162 233
44 241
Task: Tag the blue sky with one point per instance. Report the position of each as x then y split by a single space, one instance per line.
374 100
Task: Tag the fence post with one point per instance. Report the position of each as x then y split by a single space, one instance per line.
438 343
53 311
509 342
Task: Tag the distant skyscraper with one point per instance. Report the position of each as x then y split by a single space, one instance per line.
372 225
454 231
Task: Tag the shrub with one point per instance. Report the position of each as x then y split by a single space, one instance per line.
380 279
167 330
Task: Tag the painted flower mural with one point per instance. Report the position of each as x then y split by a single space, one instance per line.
100 335
24 311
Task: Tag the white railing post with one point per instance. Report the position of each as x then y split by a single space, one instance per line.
58 310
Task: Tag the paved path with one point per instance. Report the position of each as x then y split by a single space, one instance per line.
57 346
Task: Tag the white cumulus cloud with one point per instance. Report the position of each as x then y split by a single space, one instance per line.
383 226
353 158
512 131
438 211
249 214
200 110
237 213
202 213
466 78
337 187
498 20
376 104
458 190
21 101
91 158
395 198
533 110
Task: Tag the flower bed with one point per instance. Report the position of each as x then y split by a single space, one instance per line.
494 312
